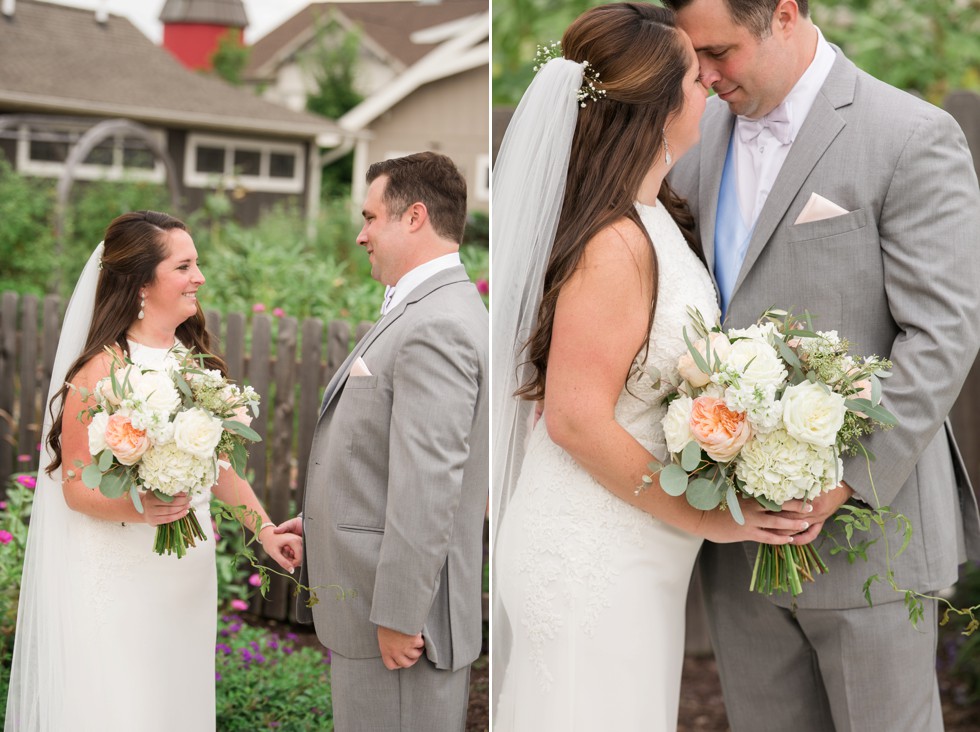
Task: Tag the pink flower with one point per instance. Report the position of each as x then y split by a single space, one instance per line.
717 429
3 505
258 307
278 312
483 287
239 605
255 580
28 481
126 442
23 458
6 537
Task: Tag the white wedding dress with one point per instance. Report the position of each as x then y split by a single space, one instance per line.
140 649
594 589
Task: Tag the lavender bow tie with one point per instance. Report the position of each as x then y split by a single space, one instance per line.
777 121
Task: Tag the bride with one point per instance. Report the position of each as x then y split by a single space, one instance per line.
596 268
112 637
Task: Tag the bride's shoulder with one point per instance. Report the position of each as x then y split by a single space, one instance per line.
623 242
99 365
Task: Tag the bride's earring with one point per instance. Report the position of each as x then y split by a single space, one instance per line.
142 305
667 157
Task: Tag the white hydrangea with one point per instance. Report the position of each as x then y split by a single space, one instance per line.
780 468
170 470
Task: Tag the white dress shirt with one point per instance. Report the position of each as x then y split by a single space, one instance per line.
758 161
415 277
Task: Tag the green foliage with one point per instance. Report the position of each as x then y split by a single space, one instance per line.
230 57
966 666
264 681
15 511
332 62
931 48
26 238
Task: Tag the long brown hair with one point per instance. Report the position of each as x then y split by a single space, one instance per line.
135 244
642 61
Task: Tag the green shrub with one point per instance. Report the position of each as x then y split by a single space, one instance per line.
266 682
966 663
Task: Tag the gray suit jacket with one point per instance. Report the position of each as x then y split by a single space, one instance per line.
897 276
398 481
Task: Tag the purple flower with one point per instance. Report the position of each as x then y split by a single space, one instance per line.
288 651
237 604
255 580
246 655
483 287
28 481
259 658
273 644
6 537
254 645
217 676
292 636
258 307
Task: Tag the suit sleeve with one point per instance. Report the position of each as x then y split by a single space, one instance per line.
929 229
435 388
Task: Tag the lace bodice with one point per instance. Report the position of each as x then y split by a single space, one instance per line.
682 282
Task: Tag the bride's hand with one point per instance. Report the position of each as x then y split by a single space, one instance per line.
761 526
285 549
157 512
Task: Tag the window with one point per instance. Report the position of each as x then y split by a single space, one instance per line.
43 147
260 165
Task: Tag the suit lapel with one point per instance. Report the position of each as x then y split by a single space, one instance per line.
714 148
438 280
821 127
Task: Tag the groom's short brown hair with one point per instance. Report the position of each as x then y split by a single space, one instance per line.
755 15
428 178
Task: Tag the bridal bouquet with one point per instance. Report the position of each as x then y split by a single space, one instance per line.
766 412
168 431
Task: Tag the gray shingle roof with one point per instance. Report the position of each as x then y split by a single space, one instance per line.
57 59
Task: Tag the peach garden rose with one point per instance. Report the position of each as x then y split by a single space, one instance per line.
718 430
126 442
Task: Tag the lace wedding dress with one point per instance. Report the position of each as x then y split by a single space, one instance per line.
141 642
594 589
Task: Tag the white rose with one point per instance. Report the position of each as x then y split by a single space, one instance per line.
96 433
197 432
757 364
170 470
157 390
813 413
677 424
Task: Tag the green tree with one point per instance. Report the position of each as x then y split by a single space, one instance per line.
230 57
331 61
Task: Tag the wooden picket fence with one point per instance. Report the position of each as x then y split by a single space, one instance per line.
288 365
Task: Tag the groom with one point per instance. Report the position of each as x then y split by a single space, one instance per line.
818 187
397 488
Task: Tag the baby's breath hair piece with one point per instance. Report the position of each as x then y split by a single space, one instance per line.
590 75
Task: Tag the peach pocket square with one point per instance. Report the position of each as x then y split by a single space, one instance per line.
819 208
359 368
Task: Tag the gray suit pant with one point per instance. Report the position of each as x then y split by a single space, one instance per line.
864 669
367 697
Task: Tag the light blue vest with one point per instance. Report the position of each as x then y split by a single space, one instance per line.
732 234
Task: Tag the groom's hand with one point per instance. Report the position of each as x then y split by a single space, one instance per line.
399 650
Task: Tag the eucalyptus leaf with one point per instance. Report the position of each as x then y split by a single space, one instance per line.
91 475
134 496
105 460
877 413
673 480
731 499
115 483
704 494
690 456
767 504
184 386
696 355
163 496
238 428
238 457
875 389
788 354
